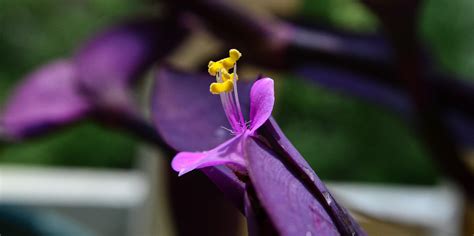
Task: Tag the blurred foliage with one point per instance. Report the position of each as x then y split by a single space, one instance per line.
33 32
86 144
346 14
344 139
448 28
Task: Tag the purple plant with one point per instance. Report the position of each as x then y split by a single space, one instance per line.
254 165
69 93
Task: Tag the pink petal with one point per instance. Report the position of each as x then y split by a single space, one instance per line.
226 153
262 98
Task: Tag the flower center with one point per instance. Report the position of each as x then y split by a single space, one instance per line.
226 87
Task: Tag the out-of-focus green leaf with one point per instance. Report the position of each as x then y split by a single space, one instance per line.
344 139
448 27
346 14
84 145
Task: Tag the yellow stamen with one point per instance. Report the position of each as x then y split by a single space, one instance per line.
225 80
226 76
217 88
235 54
226 63
214 67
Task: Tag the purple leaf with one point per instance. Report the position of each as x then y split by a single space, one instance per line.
187 116
292 209
110 62
295 163
46 99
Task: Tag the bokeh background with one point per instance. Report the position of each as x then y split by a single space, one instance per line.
343 138
350 132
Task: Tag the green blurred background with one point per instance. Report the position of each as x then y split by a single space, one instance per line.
343 138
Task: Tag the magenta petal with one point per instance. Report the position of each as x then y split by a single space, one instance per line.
228 152
47 98
184 162
262 99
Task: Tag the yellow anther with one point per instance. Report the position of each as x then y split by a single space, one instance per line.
226 76
210 64
234 54
214 67
217 88
226 63
229 62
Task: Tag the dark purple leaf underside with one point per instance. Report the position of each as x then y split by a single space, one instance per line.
292 209
46 99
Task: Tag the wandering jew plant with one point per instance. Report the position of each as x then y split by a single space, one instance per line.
253 162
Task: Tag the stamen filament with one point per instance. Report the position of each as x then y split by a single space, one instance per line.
226 101
236 95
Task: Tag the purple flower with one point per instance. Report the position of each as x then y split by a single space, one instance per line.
231 152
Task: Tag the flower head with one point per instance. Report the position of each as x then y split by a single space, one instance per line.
261 105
